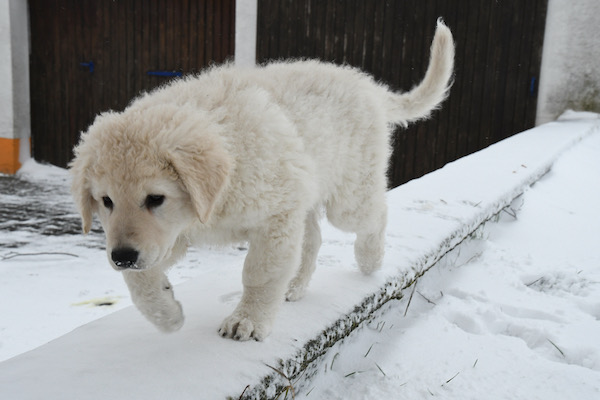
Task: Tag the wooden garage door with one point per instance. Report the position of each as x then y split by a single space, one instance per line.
498 57
94 55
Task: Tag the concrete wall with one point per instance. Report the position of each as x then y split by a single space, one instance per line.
245 32
570 76
15 127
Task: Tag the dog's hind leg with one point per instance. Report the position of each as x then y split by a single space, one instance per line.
152 293
369 247
310 250
364 212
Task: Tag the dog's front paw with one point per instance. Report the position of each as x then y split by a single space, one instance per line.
170 320
153 295
240 326
166 316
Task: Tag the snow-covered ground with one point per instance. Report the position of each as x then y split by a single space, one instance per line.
519 321
514 313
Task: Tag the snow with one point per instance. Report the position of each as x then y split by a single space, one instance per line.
518 321
512 312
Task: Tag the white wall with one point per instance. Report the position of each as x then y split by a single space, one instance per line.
6 98
14 73
570 75
20 66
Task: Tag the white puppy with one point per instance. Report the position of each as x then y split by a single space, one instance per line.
247 155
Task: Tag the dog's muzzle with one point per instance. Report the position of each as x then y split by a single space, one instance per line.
125 258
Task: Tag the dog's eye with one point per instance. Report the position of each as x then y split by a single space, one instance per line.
107 202
154 200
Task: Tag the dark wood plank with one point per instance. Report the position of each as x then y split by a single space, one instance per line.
192 39
339 35
370 30
417 156
535 61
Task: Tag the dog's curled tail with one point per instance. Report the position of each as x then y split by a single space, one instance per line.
434 88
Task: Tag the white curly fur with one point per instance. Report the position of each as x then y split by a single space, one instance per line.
248 154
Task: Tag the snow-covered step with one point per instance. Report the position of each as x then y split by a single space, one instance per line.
123 356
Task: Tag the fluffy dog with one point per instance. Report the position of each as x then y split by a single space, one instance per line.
247 155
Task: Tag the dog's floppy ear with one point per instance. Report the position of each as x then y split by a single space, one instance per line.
82 195
204 169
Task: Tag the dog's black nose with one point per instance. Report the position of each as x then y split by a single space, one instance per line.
124 257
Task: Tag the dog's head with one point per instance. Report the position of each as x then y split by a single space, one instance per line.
149 177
